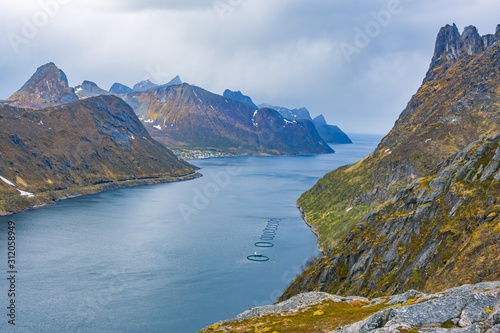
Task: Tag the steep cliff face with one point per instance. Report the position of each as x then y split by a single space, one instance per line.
458 103
440 231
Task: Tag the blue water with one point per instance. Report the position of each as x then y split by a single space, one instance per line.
166 257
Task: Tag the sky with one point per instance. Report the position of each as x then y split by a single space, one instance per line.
356 62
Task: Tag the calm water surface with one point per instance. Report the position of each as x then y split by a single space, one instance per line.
166 257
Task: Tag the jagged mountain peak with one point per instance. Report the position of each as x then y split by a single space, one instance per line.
238 95
452 46
320 120
118 88
144 85
48 87
174 82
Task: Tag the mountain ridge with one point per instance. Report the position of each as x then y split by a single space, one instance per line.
189 117
84 147
457 103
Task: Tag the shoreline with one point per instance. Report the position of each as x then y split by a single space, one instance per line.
74 193
303 216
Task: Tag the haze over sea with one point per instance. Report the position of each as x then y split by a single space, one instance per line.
166 257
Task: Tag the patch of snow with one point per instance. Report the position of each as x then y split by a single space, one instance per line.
212 107
200 100
348 209
388 150
40 123
26 194
195 93
77 90
148 121
133 137
23 193
428 140
253 118
226 101
8 182
289 122
158 127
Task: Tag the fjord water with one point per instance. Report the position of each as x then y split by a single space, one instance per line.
166 257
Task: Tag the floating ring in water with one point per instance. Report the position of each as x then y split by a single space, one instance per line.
264 244
271 227
257 257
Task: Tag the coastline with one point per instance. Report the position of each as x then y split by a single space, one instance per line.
311 227
57 196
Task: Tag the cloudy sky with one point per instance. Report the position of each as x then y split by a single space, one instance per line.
356 62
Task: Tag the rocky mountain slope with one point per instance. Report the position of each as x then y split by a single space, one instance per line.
118 88
77 148
469 308
290 114
457 103
439 231
237 95
186 116
48 87
89 89
330 133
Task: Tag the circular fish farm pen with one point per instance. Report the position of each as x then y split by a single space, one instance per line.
267 236
257 257
264 244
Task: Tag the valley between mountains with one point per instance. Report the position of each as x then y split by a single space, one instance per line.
410 235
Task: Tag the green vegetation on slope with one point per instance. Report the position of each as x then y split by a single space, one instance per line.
456 105
439 232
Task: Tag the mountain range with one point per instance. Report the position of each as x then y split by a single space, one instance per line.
329 133
184 116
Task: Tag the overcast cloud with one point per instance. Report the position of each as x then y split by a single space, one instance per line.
283 52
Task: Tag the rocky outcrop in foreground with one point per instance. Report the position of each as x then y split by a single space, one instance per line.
469 308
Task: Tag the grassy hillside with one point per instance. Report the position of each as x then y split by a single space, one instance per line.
78 148
439 232
458 103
